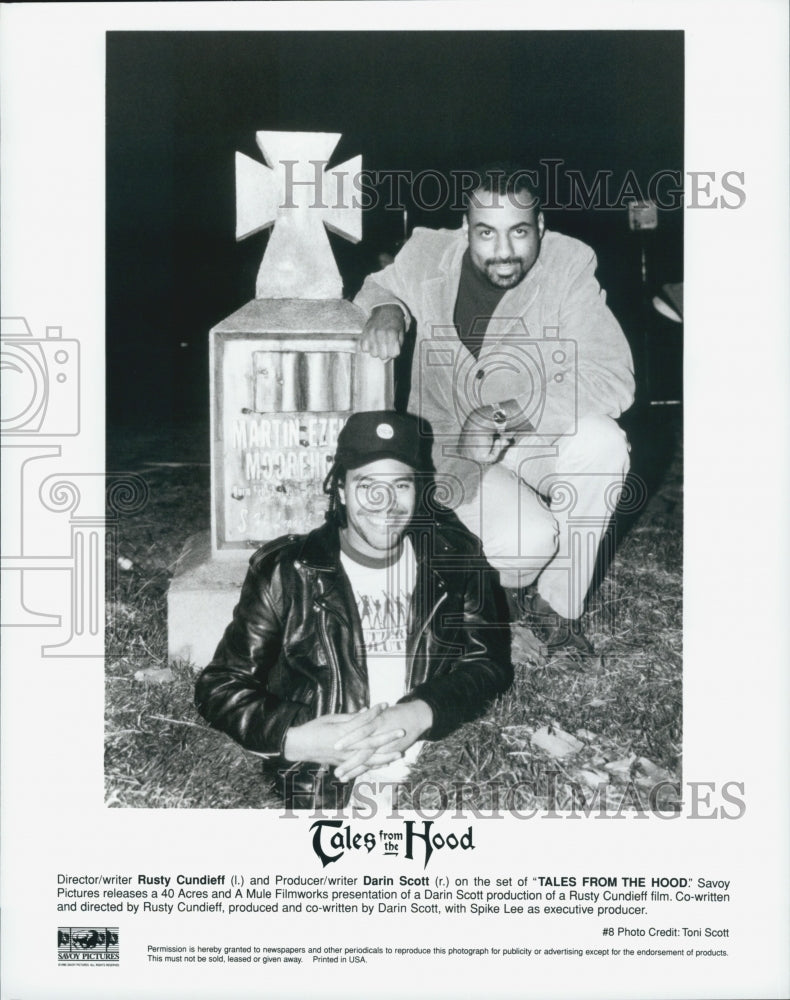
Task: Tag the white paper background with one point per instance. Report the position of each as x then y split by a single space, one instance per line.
736 635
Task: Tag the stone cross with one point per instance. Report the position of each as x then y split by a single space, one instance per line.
299 197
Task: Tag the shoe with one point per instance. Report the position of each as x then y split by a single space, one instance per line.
554 631
566 634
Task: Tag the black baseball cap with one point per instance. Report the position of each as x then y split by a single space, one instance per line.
368 437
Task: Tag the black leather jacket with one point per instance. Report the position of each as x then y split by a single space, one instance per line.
294 649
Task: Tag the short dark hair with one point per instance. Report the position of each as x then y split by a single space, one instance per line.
509 179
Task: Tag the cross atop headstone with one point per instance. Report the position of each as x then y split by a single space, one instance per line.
299 197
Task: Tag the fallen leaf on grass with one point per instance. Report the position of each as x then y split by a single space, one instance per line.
525 646
646 766
154 675
519 736
622 767
592 778
657 785
556 743
648 774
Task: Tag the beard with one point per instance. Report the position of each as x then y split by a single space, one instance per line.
515 271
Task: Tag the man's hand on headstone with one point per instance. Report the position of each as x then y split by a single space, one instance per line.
382 335
342 738
483 439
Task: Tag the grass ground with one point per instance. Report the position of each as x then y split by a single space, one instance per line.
569 734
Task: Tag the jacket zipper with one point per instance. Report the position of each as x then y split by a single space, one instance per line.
324 768
422 632
333 691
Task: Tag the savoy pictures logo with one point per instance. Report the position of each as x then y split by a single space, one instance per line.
82 945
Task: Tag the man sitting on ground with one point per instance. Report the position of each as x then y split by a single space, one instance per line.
355 642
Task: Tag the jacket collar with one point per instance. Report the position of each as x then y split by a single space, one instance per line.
513 304
321 549
450 261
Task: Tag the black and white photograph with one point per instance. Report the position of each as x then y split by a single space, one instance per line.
570 332
385 606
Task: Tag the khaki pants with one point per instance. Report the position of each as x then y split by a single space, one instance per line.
542 510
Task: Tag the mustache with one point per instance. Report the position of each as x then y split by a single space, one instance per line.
502 260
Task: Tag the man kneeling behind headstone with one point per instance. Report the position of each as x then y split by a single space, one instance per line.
355 642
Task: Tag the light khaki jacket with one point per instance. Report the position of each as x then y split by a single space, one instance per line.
552 343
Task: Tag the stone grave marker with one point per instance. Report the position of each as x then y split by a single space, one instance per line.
286 372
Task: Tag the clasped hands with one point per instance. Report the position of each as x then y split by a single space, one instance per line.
354 743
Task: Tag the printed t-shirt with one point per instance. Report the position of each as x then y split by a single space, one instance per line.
382 590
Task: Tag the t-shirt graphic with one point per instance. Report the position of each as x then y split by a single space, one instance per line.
384 618
383 597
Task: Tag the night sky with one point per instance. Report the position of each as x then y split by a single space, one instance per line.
180 104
